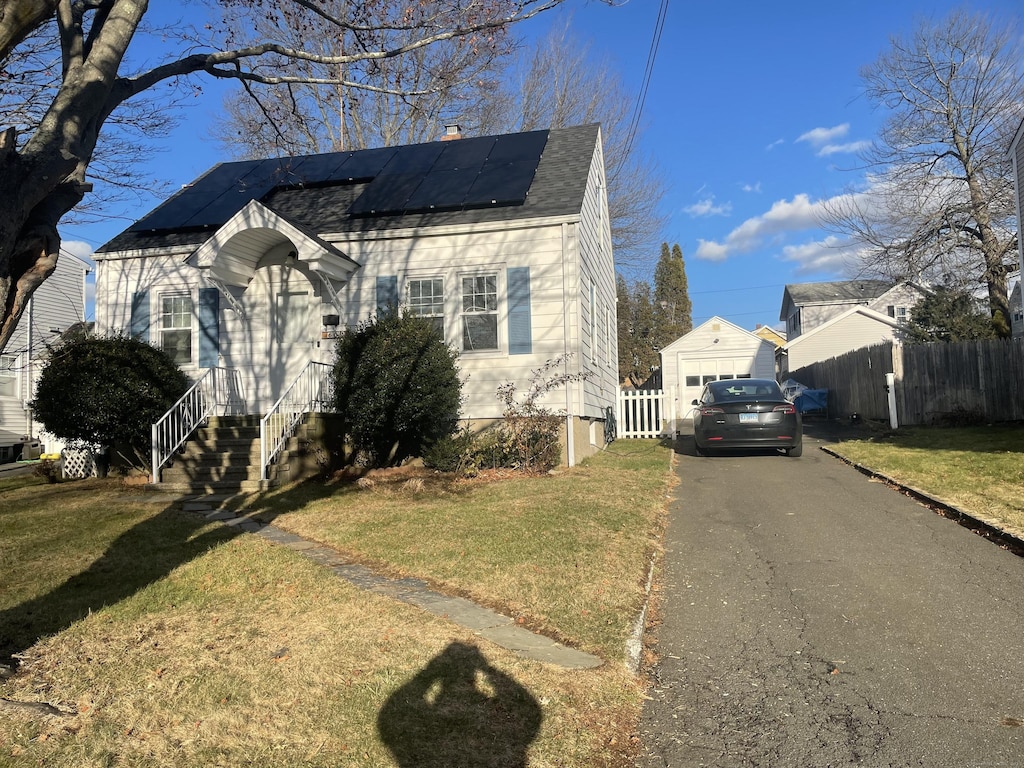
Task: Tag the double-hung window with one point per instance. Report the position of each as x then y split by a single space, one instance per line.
176 327
8 376
426 298
480 312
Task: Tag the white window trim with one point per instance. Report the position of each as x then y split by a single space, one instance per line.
501 310
193 323
407 281
11 373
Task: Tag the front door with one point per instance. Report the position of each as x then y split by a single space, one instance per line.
292 343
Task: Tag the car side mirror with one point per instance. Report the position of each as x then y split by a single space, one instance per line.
694 403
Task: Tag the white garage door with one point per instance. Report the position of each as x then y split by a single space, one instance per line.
694 374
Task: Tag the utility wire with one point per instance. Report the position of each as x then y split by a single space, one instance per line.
652 54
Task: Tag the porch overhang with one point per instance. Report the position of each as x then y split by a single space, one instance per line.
231 255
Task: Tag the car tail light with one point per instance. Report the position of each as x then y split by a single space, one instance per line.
790 408
710 410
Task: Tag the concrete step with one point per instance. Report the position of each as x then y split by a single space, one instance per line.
226 487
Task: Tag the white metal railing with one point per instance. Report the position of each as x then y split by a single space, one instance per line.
217 390
645 413
309 392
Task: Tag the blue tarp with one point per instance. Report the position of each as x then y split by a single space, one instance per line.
812 400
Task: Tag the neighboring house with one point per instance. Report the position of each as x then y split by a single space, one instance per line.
778 338
805 306
56 305
1017 160
503 240
857 327
715 349
1016 304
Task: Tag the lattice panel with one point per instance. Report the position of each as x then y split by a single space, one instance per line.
77 464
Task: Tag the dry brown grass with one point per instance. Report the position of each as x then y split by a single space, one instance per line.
181 643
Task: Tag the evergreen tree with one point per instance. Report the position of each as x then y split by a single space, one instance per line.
637 324
672 306
947 314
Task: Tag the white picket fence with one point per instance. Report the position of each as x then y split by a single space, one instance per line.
645 413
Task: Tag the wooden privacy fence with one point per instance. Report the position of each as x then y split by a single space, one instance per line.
644 412
935 383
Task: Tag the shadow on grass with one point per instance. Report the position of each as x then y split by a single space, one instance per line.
460 710
140 556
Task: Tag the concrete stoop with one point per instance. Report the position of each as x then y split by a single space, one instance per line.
223 457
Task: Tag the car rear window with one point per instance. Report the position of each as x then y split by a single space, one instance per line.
745 389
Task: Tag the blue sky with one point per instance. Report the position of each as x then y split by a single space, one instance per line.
754 113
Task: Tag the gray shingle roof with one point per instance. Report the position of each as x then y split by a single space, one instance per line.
840 291
557 189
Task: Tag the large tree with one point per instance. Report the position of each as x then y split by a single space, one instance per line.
637 328
46 156
673 309
947 314
940 203
490 86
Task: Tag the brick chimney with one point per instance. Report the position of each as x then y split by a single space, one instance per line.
452 132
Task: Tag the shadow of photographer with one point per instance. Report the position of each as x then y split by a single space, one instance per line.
459 711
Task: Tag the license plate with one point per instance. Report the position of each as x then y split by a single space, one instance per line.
748 418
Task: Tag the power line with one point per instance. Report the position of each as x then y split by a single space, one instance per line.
634 123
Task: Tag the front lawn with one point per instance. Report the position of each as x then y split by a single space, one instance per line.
169 641
977 469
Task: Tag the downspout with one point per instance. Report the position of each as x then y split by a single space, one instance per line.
570 442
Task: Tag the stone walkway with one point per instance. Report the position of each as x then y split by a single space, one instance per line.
490 625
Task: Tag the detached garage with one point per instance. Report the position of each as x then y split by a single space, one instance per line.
714 350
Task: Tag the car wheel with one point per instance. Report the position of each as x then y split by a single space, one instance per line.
796 451
697 449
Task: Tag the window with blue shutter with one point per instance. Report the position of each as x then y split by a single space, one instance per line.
520 333
209 327
139 322
387 294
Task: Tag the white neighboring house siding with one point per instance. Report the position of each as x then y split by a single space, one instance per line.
898 302
1017 156
858 328
55 306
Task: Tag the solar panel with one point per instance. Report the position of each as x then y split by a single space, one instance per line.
194 198
314 169
464 153
387 193
502 184
443 189
518 146
362 165
414 158
266 175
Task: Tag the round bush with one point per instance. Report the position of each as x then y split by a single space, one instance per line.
107 391
396 387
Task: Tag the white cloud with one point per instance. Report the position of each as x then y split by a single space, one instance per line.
849 148
820 136
796 215
828 255
80 249
775 143
756 188
707 207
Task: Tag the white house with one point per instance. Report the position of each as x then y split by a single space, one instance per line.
1017 159
503 240
715 349
57 304
805 306
855 328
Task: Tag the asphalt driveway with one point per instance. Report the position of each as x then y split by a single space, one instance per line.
814 617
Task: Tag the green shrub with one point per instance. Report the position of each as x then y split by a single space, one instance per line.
451 453
107 391
396 387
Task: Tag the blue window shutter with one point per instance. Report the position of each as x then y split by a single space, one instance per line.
209 327
139 322
520 333
387 294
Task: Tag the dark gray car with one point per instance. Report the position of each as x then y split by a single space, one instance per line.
746 413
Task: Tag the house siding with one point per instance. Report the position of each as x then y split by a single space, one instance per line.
56 305
1018 171
600 355
856 331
